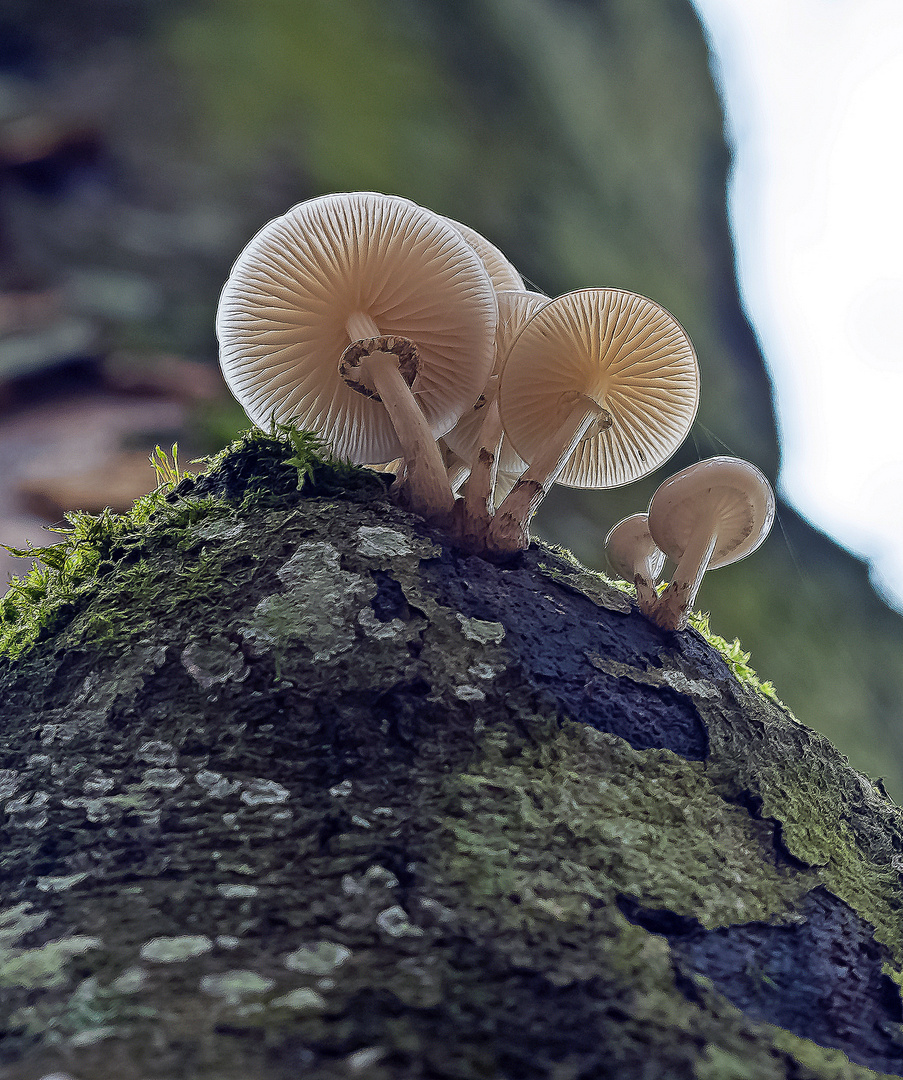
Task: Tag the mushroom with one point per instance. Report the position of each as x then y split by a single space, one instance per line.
516 308
634 556
600 387
391 290
504 276
478 437
706 516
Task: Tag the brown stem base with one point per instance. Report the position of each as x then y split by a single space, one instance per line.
670 610
510 531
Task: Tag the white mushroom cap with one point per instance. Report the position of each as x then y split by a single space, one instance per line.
310 280
504 275
706 516
631 550
725 494
621 351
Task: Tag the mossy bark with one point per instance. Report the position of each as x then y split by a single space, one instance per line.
295 789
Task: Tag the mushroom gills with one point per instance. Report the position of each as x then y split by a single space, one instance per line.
708 515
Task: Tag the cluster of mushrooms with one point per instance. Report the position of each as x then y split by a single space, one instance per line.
408 342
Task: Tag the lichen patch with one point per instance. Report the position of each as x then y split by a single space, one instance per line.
174 950
375 541
481 630
313 612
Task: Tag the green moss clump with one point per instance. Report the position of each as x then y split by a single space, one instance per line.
65 573
737 660
258 469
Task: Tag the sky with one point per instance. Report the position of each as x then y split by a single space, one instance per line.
813 91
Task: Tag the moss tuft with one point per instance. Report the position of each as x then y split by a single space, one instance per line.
259 469
737 660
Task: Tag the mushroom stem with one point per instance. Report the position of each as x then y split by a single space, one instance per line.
509 530
476 506
646 595
670 610
376 362
360 326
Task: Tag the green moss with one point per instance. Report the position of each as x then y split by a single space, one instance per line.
257 470
737 660
814 1062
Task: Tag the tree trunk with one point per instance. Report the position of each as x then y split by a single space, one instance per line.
294 789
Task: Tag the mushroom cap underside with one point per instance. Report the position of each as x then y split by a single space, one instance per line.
728 495
630 548
283 314
623 351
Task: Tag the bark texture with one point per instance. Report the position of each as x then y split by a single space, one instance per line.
295 789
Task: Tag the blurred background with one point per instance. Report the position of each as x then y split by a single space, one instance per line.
142 143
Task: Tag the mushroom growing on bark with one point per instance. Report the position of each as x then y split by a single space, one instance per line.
706 516
366 319
634 556
600 387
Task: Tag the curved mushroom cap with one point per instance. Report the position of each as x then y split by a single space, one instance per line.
631 550
516 308
283 315
624 352
728 495
504 275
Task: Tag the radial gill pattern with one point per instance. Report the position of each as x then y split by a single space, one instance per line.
727 496
283 313
623 351
732 516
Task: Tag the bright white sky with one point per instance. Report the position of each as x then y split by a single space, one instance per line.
814 95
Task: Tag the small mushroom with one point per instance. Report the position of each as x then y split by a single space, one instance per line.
706 516
600 387
391 290
634 556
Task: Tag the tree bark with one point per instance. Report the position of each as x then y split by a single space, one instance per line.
293 788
